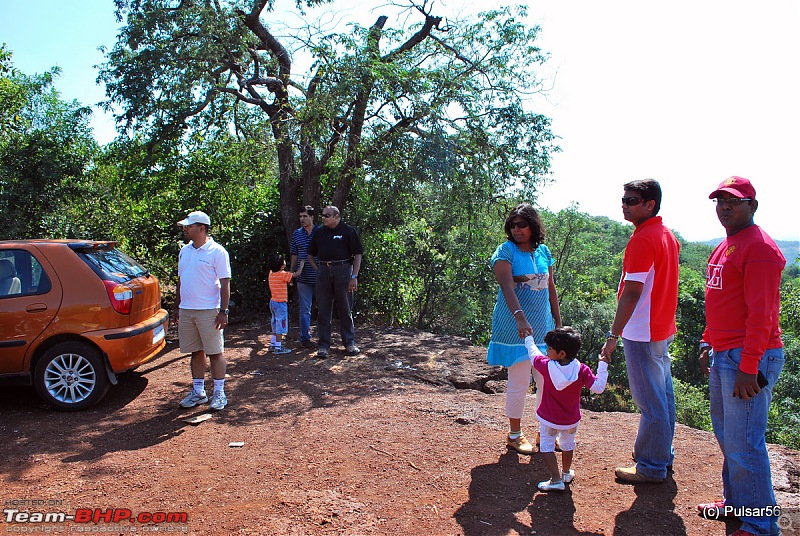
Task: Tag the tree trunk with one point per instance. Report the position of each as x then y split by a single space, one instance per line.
287 181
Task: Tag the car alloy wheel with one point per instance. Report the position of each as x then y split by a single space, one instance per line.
71 376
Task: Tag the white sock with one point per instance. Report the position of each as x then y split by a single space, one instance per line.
219 385
277 344
272 340
199 385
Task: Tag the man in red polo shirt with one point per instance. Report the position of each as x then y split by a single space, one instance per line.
645 321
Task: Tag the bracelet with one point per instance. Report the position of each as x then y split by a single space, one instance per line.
610 335
517 311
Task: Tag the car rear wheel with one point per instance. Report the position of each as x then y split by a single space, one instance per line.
70 376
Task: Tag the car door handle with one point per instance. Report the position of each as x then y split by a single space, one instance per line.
36 308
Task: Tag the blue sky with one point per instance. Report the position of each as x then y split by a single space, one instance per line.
688 92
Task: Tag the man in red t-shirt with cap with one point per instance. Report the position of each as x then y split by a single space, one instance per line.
743 340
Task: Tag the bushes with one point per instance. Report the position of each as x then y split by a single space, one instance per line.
691 405
616 397
426 278
783 424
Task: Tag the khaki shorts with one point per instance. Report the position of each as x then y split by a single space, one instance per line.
197 331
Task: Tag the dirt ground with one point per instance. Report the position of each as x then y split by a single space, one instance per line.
379 443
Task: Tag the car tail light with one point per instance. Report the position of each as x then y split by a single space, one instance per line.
121 297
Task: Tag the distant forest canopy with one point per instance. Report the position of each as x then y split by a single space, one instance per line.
789 248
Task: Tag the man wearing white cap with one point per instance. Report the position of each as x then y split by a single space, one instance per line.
202 298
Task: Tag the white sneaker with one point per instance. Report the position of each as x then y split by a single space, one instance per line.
194 398
549 485
218 400
569 476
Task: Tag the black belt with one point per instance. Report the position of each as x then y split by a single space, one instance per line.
335 263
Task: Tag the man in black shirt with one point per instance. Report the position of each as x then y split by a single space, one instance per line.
339 250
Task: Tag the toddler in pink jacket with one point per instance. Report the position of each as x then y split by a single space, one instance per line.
560 409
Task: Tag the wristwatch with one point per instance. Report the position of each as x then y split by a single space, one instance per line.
354 276
225 311
610 335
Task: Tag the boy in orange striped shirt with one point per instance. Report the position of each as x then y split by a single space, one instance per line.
279 279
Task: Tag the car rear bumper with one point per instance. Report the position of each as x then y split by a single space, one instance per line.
134 345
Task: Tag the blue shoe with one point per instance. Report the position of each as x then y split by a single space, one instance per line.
194 398
549 485
218 400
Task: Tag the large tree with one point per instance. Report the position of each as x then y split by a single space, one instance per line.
453 89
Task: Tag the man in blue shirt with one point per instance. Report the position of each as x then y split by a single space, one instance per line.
298 249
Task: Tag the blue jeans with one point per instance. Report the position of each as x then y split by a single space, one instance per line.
332 287
650 380
306 294
280 317
740 427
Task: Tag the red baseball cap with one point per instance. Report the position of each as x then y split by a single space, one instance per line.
738 186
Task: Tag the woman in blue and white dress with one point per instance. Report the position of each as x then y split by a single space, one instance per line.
527 304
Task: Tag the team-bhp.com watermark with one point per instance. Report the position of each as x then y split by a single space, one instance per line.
788 518
43 518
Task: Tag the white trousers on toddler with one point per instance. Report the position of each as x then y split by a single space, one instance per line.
548 435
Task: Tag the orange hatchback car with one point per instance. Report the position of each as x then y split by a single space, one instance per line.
73 314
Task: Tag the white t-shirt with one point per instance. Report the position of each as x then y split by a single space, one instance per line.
200 270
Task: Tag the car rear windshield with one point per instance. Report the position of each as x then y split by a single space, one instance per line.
113 264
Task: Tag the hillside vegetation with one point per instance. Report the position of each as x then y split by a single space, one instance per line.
427 186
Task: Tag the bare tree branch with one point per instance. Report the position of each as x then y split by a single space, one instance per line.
420 36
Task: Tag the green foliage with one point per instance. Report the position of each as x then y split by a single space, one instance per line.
690 318
250 239
231 180
790 306
452 90
444 151
573 239
694 256
691 404
13 95
588 252
431 272
45 149
791 350
616 396
389 285
783 425
592 319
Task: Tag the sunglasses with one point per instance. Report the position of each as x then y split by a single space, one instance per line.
328 215
518 224
631 201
